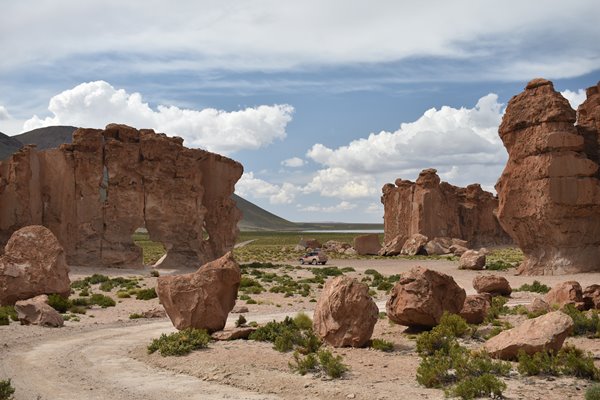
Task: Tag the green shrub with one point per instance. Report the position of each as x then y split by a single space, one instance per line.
569 361
244 297
154 273
123 295
250 285
443 336
84 292
77 310
498 265
593 393
372 272
135 316
302 365
180 343
6 314
497 308
241 321
582 324
303 321
332 365
472 387
146 294
59 303
251 301
536 287
6 390
382 345
101 300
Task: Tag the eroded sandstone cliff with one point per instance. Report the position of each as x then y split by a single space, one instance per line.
94 193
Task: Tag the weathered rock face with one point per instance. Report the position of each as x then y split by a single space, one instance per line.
547 332
438 209
336 246
475 308
202 299
538 306
591 297
94 193
345 314
492 284
421 297
33 264
367 244
36 311
414 245
549 191
566 293
472 259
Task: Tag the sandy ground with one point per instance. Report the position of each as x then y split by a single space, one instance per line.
103 356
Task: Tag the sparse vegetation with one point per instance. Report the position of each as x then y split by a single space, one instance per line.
569 361
59 303
180 343
505 258
135 316
497 308
6 390
536 287
593 392
7 313
241 321
382 345
151 251
146 294
583 324
154 273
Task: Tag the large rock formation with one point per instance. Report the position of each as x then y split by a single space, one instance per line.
94 193
367 244
33 264
345 314
438 209
202 299
549 191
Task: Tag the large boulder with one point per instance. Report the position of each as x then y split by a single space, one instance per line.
345 314
549 191
336 246
367 244
414 245
544 333
591 297
475 308
493 284
566 293
438 246
472 259
36 311
420 298
33 263
204 298
393 247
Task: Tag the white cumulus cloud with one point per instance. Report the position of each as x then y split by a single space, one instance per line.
294 162
575 98
250 187
95 104
342 206
4 115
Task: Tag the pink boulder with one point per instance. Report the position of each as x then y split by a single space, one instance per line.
475 308
566 293
36 311
492 284
414 245
472 259
367 244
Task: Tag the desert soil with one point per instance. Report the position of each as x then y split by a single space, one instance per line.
103 356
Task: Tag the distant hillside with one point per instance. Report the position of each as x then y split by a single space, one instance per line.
255 218
48 137
8 145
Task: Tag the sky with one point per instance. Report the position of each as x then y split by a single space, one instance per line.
323 102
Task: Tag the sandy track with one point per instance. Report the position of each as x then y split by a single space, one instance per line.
95 364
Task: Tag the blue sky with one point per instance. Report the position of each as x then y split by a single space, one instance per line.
322 102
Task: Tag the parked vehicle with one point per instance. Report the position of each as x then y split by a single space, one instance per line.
314 258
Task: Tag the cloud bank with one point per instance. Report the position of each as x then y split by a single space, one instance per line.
95 104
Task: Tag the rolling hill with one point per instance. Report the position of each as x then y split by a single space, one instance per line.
255 218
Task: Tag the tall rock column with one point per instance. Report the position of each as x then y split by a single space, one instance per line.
549 192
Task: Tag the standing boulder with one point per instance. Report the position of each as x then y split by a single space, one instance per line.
33 264
493 284
367 244
591 297
36 311
538 305
566 293
544 333
345 314
414 245
421 297
393 247
472 259
204 298
476 308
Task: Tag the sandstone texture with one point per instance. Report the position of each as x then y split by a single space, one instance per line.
566 293
437 209
420 298
345 314
33 264
336 246
549 191
204 298
475 308
241 332
36 311
472 259
544 333
591 297
414 245
538 305
95 193
492 284
367 244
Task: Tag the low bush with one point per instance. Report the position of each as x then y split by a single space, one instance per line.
250 285
241 321
382 345
135 316
154 273
569 361
498 265
593 393
6 390
180 343
472 387
536 287
332 365
303 321
146 294
59 303
582 323
101 300
7 313
497 308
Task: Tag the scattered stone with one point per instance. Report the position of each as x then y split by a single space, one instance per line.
367 244
538 305
547 332
591 297
414 245
155 313
458 250
549 191
336 246
475 308
204 298
33 263
566 293
472 259
345 314
239 310
234 333
394 247
36 311
420 298
438 246
310 243
350 252
493 284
